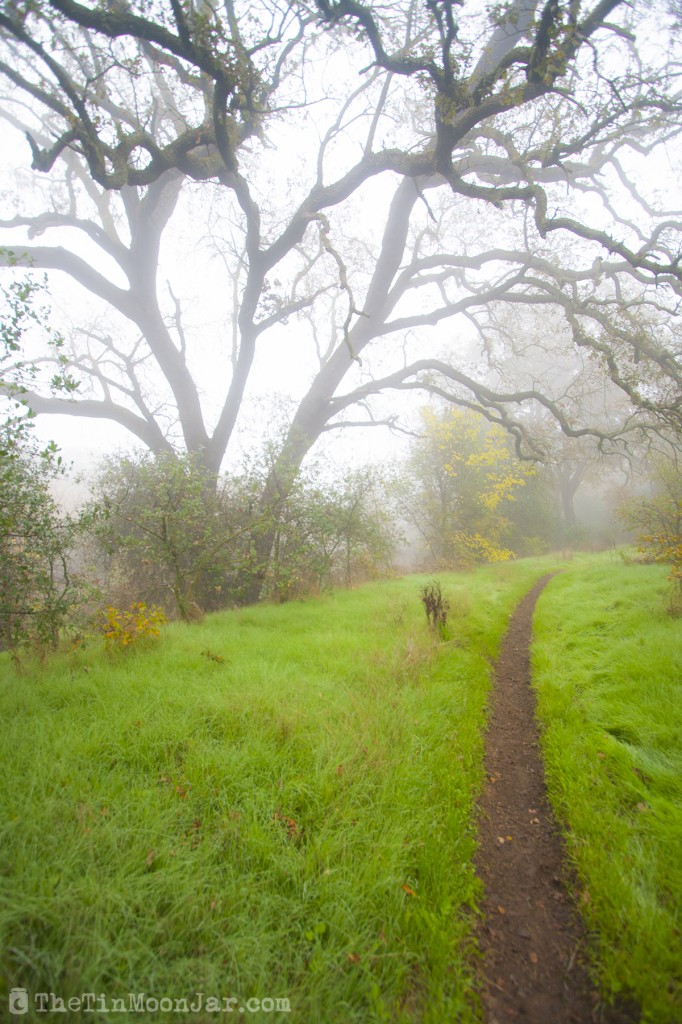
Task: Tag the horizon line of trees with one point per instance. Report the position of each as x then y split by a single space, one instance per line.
153 533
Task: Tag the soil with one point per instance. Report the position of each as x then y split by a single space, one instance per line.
533 940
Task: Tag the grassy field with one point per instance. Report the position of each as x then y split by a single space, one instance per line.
278 803
294 821
608 672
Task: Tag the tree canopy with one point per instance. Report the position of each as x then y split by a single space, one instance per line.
390 185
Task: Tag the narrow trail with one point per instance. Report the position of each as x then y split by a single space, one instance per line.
532 938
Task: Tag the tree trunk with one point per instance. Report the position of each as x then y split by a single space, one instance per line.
569 482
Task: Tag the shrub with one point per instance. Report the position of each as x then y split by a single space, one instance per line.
330 534
126 628
435 606
38 588
167 531
657 522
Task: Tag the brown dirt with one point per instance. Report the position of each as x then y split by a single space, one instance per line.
532 938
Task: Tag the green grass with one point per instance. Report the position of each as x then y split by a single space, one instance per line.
293 822
296 820
608 671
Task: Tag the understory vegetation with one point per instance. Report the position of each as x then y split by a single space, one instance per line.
608 672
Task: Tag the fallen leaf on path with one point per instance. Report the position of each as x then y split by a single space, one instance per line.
501 910
533 957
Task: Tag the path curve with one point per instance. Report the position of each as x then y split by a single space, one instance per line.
533 941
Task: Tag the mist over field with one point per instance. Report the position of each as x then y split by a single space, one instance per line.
331 332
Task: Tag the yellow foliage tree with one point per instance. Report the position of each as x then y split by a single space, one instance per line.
467 474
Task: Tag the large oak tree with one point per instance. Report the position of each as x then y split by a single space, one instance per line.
378 181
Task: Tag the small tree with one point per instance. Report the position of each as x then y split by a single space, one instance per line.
37 585
166 533
466 476
330 533
657 521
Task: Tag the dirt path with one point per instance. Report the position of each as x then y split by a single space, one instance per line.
532 939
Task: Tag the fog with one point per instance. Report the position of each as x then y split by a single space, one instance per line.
286 277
